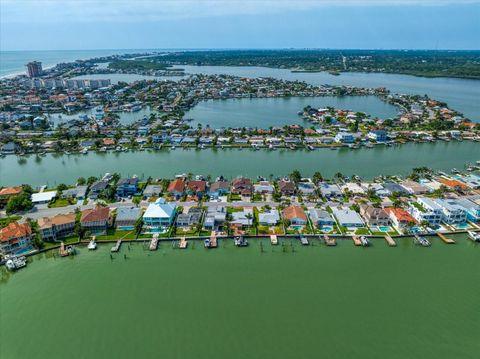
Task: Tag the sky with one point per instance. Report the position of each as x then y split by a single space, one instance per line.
137 24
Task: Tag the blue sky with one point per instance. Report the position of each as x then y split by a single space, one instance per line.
113 24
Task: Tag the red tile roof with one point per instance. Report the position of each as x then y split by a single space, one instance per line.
15 230
400 214
10 191
197 186
177 185
294 212
95 214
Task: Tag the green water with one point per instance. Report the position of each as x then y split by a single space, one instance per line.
315 302
55 169
280 111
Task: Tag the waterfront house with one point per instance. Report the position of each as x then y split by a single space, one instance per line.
177 187
242 186
321 217
127 186
191 218
219 188
9 148
286 187
263 187
127 217
56 227
243 218
43 197
392 187
471 208
354 188
295 215
78 192
152 190
306 187
378 135
15 238
472 181
426 210
269 217
347 217
415 188
96 188
344 137
95 220
197 188
400 218
8 192
159 215
330 191
216 216
452 183
453 212
374 216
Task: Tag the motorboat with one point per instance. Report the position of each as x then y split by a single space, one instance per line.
365 242
92 245
304 240
474 236
14 263
240 241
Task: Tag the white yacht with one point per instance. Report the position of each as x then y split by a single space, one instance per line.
14 263
474 236
92 245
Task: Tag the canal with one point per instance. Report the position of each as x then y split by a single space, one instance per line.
59 168
282 302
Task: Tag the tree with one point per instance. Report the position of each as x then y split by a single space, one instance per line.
19 203
136 200
91 179
295 176
317 177
81 181
62 187
138 225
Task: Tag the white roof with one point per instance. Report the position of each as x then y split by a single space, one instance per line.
160 209
43 196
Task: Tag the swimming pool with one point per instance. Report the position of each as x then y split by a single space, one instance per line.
384 228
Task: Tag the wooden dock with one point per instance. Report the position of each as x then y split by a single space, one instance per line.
356 240
273 239
62 251
213 240
390 241
329 241
183 243
445 238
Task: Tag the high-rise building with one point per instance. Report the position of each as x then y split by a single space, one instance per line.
34 69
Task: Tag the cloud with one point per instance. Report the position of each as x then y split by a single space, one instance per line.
48 11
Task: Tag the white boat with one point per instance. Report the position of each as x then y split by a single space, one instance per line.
304 240
424 242
92 245
474 236
15 263
365 242
274 239
240 241
84 151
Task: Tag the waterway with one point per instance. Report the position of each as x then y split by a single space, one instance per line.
125 118
315 301
116 78
399 160
267 112
460 94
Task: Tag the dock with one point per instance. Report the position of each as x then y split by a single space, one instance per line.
329 241
274 239
445 238
356 240
183 243
390 241
154 243
62 251
116 247
213 240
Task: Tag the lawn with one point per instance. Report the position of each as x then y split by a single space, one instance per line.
62 202
6 221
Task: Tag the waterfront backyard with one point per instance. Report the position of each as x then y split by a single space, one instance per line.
284 302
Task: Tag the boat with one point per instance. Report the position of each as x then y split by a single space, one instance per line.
71 250
474 236
154 243
310 147
84 151
173 147
92 245
273 239
424 242
304 240
116 247
454 170
240 241
206 243
212 242
14 263
365 242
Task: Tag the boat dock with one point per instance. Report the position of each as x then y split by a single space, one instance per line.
445 238
274 239
62 251
183 243
154 243
329 241
116 247
390 241
356 240
213 240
